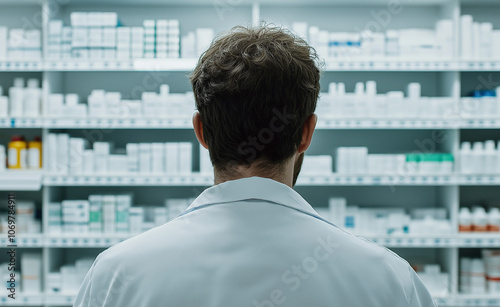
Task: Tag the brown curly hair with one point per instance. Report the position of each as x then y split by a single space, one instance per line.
254 89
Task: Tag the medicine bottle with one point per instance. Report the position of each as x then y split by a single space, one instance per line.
494 220
3 158
464 220
35 153
17 152
479 220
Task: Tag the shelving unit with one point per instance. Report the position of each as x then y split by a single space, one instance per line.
445 77
186 65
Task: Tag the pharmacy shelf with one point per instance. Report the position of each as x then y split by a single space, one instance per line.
14 122
22 300
20 180
330 65
486 300
482 180
402 123
193 179
89 240
121 65
62 299
480 123
20 65
186 123
474 65
86 65
397 179
24 240
84 240
373 180
188 64
196 179
203 180
390 64
119 123
472 240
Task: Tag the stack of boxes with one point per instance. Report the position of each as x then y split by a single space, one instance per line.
387 220
75 216
96 35
20 44
111 105
3 43
167 38
69 155
478 39
110 214
406 43
130 42
137 43
69 278
149 38
31 272
357 160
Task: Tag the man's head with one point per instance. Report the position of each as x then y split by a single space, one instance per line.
256 91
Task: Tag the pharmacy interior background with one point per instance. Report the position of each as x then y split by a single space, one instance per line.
96 139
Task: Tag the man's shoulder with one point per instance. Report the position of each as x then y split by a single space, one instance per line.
362 252
132 248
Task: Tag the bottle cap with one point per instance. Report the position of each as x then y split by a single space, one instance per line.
16 138
495 210
33 83
466 146
37 139
489 145
478 146
18 82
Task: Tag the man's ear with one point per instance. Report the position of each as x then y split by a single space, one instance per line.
198 129
307 133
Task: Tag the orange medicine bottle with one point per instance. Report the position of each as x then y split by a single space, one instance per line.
16 152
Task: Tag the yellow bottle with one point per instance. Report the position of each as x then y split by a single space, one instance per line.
35 153
17 152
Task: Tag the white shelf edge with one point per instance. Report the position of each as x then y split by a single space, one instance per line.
20 180
326 123
26 180
458 240
304 180
188 64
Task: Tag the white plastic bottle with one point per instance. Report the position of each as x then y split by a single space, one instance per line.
490 158
465 158
478 277
497 171
478 165
494 220
16 98
32 98
465 267
464 220
479 220
3 157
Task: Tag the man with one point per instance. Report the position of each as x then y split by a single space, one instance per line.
251 240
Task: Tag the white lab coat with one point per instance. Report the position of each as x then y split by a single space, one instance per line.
250 242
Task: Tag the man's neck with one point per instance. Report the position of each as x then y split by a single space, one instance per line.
284 176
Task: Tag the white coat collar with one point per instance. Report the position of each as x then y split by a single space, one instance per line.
257 188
